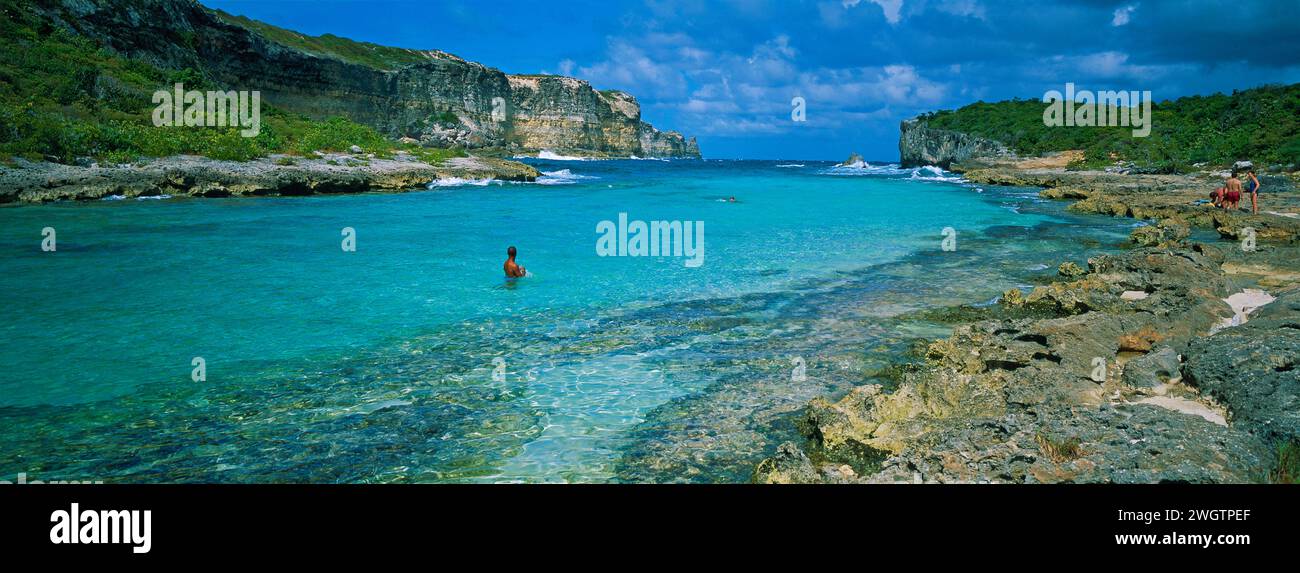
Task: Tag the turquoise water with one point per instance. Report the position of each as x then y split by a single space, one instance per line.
412 359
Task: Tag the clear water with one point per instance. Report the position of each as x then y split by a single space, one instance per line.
412 359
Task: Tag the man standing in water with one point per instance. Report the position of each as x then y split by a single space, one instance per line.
513 270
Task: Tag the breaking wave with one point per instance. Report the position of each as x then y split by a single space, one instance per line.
923 173
459 182
562 177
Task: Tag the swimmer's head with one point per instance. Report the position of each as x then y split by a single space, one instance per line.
511 251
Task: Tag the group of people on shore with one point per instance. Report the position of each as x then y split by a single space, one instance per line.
1229 196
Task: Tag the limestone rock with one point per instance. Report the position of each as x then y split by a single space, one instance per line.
920 145
1254 369
1153 369
789 465
1146 236
1069 269
434 96
1013 399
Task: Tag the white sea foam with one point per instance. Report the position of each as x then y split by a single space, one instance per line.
864 168
553 156
562 177
152 197
114 198
932 173
923 173
459 182
791 165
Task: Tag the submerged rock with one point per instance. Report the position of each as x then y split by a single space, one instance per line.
789 465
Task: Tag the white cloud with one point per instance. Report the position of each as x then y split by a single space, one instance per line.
629 67
968 8
1108 65
726 93
868 87
893 9
1123 14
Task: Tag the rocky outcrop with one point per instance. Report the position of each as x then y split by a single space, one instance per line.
1181 198
1095 390
920 145
432 96
854 160
1150 366
1252 369
277 175
560 113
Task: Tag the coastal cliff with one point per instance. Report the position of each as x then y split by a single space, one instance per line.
919 144
431 96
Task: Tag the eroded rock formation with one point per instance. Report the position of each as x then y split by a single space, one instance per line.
432 96
920 145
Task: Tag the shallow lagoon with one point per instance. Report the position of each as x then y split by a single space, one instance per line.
411 359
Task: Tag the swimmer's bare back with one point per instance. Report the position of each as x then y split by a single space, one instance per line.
513 270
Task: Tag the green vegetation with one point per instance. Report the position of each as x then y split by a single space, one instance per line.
1260 124
446 117
62 97
1288 463
329 45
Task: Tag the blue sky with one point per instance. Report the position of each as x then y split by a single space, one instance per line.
726 71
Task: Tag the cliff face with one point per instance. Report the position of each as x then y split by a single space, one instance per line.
432 96
921 145
556 112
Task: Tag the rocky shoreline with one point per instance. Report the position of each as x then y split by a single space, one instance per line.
279 175
1173 361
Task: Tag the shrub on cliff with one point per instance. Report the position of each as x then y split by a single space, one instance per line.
1260 124
62 97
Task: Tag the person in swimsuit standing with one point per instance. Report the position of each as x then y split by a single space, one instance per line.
1252 187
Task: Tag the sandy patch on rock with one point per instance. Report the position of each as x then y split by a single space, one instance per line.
1186 406
1244 303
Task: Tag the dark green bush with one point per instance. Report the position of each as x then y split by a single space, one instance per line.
1260 124
62 97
